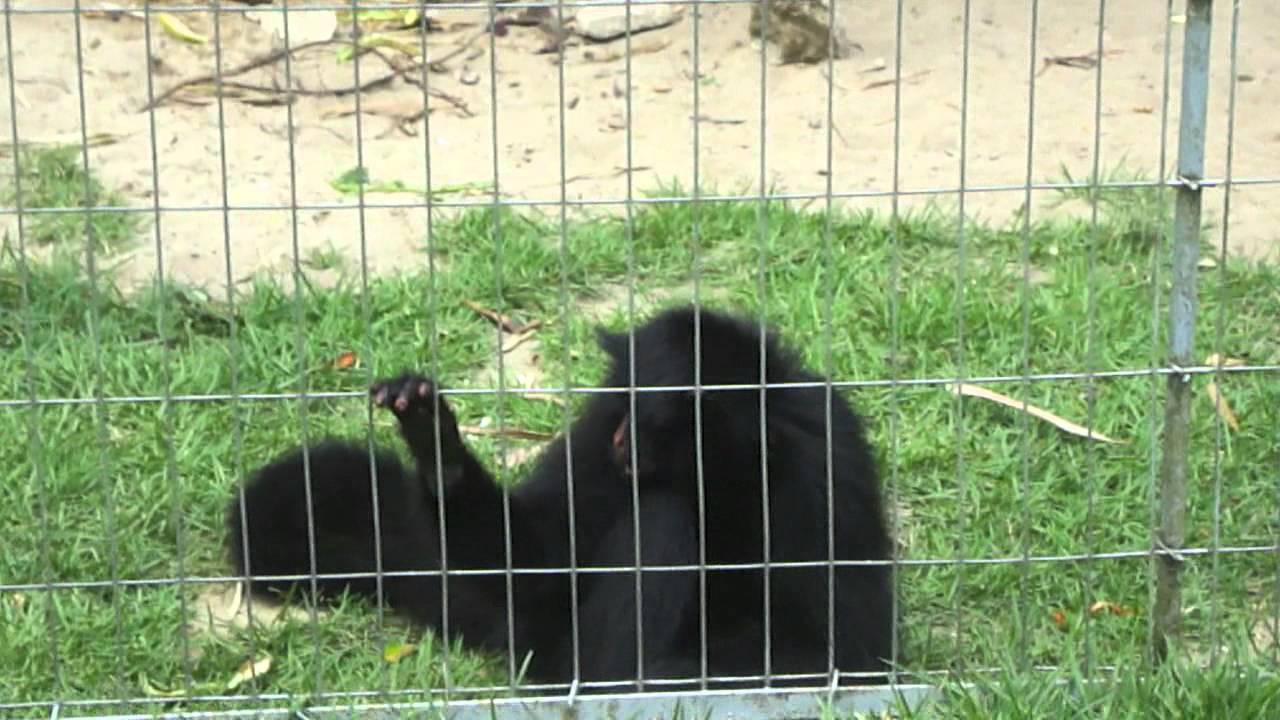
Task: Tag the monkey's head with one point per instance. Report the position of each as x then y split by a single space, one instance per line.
671 360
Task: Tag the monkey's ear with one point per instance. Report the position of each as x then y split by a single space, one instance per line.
613 344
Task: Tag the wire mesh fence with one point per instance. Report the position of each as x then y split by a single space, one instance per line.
1070 416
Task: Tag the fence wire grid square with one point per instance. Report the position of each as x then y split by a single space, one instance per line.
224 221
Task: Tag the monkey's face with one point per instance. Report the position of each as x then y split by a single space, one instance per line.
657 444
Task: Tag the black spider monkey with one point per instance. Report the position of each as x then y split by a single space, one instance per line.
662 434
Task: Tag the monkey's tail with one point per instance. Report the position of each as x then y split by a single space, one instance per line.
276 528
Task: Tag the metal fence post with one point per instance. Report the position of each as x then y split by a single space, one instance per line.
1171 533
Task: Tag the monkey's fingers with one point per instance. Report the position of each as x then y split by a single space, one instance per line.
403 394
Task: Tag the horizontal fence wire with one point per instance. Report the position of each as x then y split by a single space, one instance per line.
705 199
1177 554
1186 372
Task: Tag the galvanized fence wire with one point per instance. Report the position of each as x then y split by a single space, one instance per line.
1153 397
1219 332
1166 554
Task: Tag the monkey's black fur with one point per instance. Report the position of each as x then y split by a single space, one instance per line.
663 429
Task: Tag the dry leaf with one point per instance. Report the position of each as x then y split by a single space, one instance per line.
892 81
497 318
179 29
345 361
396 652
876 66
1039 413
1144 109
249 670
18 601
1087 61
150 689
1214 359
1059 619
405 43
1106 606
1221 405
507 432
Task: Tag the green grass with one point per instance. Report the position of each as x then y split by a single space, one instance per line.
1228 690
55 178
136 490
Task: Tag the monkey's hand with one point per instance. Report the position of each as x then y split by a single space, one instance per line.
413 399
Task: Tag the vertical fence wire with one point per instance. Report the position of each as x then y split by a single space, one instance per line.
232 341
366 318
962 485
1182 317
1023 488
762 219
695 241
433 355
93 319
1154 356
895 338
634 459
1091 350
566 416
828 354
300 313
496 228
1219 346
35 438
166 369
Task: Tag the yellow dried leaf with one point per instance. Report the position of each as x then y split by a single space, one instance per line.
1039 413
1214 359
178 29
1221 405
150 689
1110 608
396 652
248 670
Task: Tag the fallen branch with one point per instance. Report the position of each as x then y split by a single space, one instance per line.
224 80
271 57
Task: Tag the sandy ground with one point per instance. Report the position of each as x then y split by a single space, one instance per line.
192 134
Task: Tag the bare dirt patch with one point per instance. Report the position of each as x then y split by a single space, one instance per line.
209 157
